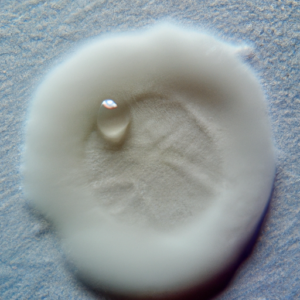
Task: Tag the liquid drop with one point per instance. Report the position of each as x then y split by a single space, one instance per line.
113 120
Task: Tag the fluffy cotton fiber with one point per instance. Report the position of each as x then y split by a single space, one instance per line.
173 202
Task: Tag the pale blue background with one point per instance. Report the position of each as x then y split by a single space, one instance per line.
34 35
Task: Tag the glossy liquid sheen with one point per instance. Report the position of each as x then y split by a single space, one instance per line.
113 121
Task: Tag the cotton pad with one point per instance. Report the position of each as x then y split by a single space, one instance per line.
151 153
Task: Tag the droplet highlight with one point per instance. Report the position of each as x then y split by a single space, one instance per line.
113 120
109 104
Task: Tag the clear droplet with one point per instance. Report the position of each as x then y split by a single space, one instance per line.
113 120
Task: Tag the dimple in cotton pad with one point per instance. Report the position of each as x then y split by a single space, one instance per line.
151 153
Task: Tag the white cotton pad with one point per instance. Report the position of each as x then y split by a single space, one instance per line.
160 187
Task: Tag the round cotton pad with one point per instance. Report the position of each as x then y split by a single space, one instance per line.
151 153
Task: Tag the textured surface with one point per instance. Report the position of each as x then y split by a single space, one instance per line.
34 35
